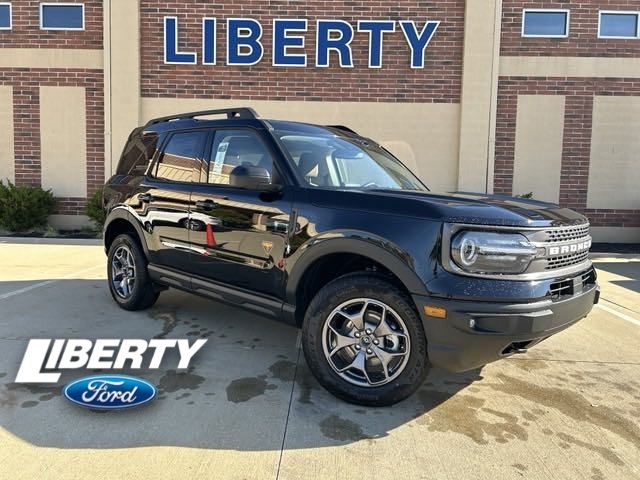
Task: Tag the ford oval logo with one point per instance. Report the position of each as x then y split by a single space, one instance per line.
110 392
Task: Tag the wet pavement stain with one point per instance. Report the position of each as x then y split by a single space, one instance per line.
283 370
244 389
337 428
7 398
529 365
173 381
306 383
9 395
571 404
604 452
466 415
169 319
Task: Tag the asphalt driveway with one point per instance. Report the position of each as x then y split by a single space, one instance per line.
249 408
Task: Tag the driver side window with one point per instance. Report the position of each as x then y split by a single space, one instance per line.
232 148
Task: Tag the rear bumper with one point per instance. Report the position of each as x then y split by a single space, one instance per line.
476 333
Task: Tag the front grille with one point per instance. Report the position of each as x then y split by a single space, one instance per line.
572 286
567 233
589 278
566 260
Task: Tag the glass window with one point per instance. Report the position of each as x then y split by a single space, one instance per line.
618 25
545 23
231 148
328 160
137 155
181 160
5 16
62 16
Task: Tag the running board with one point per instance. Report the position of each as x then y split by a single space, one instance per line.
250 301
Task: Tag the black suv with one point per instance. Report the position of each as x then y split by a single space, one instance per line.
325 229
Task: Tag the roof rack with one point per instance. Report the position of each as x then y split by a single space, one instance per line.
241 112
343 128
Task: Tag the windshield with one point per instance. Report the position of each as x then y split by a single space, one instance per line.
327 160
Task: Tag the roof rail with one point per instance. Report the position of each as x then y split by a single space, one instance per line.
343 128
241 112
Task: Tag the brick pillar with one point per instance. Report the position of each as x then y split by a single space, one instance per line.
95 132
505 138
26 127
576 151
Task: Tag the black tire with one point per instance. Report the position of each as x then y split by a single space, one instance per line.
373 286
143 293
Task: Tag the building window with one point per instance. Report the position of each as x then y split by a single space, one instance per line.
619 24
545 23
62 16
5 16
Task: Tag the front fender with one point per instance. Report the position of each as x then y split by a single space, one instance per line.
360 243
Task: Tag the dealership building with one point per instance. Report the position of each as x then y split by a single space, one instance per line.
497 96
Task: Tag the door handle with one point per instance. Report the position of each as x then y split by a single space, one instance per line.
145 197
206 204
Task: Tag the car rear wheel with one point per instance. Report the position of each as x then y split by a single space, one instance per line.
129 281
364 342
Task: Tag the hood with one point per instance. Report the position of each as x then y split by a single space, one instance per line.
456 207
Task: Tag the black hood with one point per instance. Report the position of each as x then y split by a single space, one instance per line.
456 207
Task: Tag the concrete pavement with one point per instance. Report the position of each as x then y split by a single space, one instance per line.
249 407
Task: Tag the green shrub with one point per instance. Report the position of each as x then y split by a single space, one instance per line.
24 208
525 195
95 210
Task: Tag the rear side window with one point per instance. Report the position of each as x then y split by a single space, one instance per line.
138 154
236 147
181 160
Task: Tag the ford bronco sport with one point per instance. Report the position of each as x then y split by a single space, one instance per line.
325 229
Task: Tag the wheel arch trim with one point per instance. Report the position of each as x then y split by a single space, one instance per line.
121 213
356 243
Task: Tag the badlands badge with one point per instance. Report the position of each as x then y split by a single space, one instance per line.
268 246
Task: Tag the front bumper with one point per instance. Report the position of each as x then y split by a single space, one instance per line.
498 330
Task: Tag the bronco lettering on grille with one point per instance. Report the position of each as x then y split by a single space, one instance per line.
570 248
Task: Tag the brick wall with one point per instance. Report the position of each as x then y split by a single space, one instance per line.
26 118
26 33
438 81
576 147
583 38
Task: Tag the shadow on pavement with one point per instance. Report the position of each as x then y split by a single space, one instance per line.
629 269
235 395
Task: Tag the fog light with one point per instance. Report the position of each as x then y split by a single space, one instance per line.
433 311
472 323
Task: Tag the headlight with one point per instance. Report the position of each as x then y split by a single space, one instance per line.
489 252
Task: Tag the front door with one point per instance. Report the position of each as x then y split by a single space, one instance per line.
238 235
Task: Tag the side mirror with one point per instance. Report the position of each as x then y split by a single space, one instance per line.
253 178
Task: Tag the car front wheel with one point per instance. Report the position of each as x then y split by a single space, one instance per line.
364 342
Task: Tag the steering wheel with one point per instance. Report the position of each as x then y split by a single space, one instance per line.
369 184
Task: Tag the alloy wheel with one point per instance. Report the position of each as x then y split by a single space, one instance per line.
123 272
366 342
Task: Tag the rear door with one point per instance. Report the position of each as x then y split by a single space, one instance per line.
164 195
239 236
